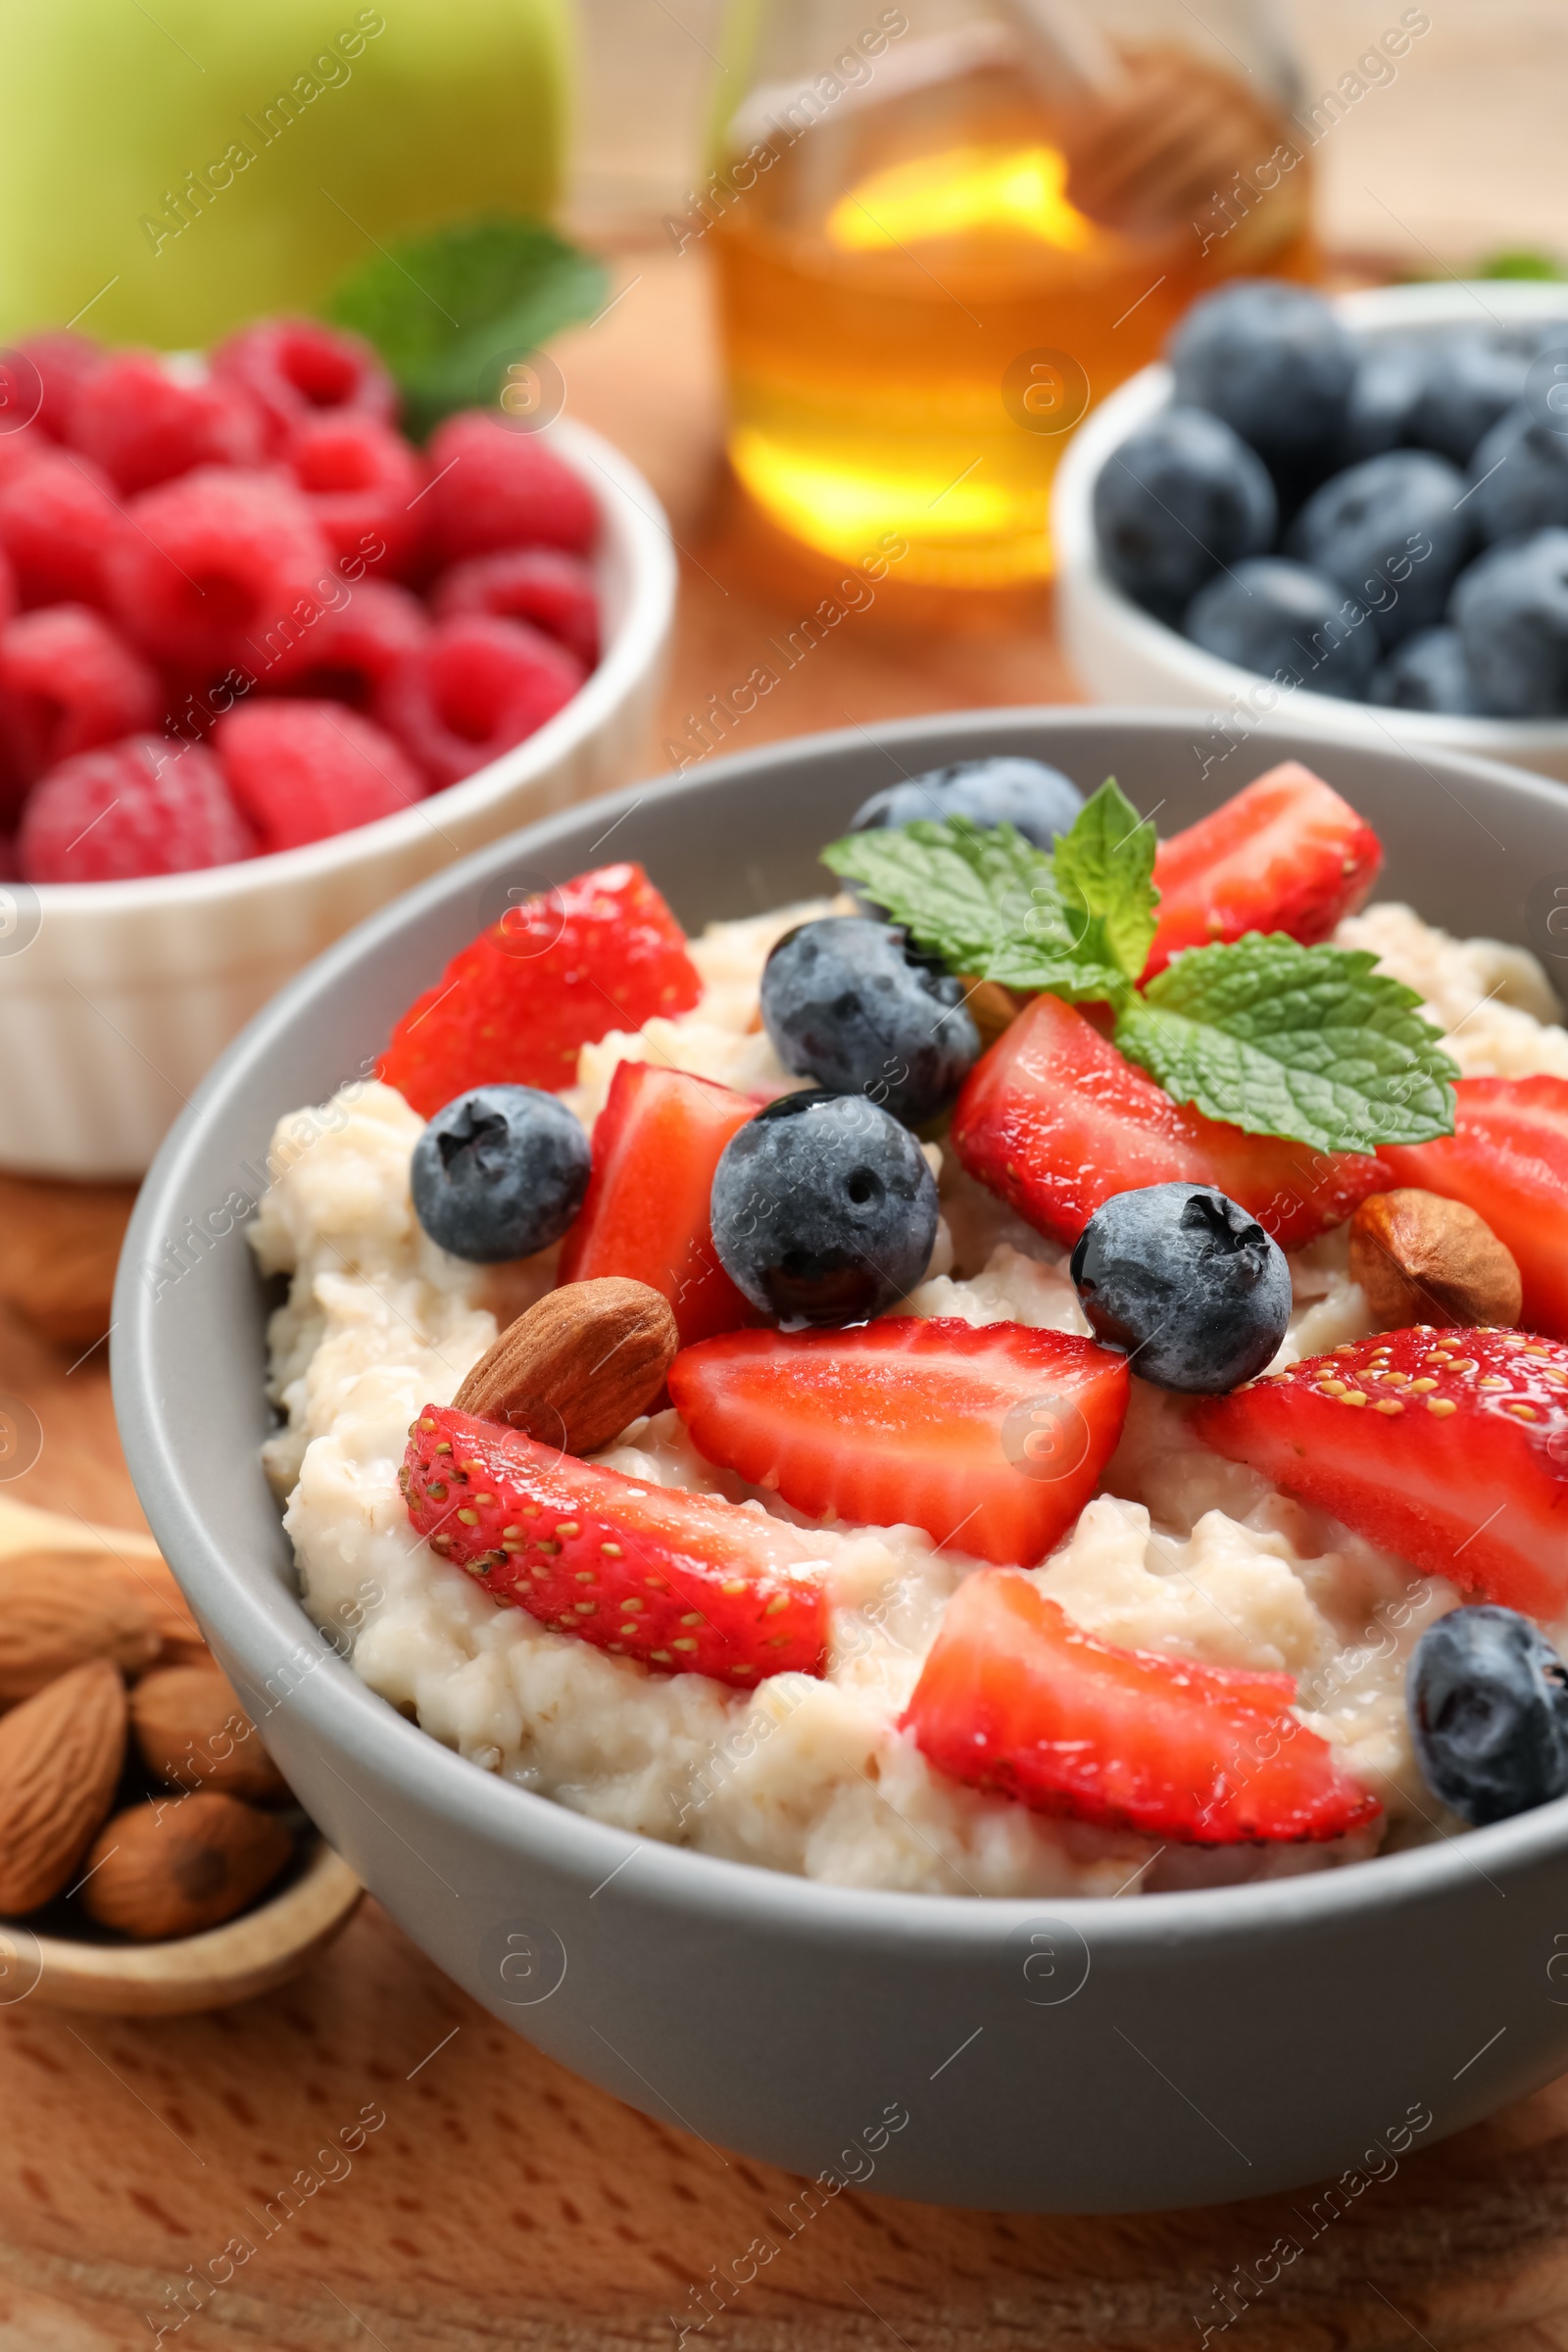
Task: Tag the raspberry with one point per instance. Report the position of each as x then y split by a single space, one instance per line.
143 425
64 362
354 649
555 591
474 689
495 485
68 684
223 568
21 448
129 808
295 367
59 525
516 1004
360 479
303 771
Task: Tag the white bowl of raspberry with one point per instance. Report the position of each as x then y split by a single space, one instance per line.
264 663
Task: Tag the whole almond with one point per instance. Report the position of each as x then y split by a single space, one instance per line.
1420 1258
992 1008
56 1612
181 1864
59 1243
149 1584
579 1365
60 1757
151 1581
193 1733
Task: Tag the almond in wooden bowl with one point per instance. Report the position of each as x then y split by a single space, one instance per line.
151 1581
192 1731
263 1948
1420 1258
58 1613
60 1757
175 1866
132 1561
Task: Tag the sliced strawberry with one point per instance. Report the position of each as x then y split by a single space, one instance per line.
1013 1696
992 1440
1454 1455
1054 1120
558 972
1507 1159
1286 855
678 1580
657 1143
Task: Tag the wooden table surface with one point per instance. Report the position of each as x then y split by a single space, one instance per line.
479 2196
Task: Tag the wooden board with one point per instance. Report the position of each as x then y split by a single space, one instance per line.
495 2201
502 2203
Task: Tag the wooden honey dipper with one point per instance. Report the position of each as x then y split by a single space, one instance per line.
1150 138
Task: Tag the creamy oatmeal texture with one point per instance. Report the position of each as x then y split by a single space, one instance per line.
1181 1551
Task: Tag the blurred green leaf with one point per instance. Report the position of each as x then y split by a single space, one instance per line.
1521 262
449 311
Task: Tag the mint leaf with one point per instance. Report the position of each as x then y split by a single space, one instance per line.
985 902
1310 1042
1105 872
451 310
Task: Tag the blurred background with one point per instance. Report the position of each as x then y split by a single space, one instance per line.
225 164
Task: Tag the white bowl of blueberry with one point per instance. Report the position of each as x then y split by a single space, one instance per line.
1350 511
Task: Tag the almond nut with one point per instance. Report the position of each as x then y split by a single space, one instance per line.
56 1612
177 1865
992 1008
60 1757
193 1733
1420 1258
59 1245
150 1583
579 1365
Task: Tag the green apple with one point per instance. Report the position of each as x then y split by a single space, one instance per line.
168 172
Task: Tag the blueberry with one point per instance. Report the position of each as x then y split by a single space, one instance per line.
1473 373
500 1173
1391 532
1511 612
1488 1698
1390 379
823 1210
1274 361
1040 802
1187 1282
1289 623
848 1002
1427 672
1176 503
1519 477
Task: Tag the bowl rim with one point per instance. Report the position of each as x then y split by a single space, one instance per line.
634 526
356 1724
1378 312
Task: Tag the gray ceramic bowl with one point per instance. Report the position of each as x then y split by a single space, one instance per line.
1083 2056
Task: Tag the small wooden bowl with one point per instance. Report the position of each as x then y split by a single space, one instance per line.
245 1956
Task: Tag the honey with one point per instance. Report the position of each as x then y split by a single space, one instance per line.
915 314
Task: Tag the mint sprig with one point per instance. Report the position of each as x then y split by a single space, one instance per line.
1104 870
1278 1039
985 902
449 311
1312 1043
